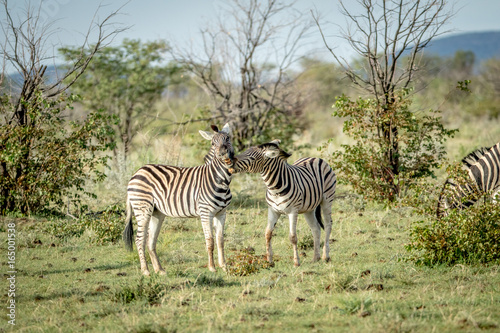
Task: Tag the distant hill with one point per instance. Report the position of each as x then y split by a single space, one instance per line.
485 45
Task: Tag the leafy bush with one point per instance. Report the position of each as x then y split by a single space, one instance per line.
102 228
245 263
464 236
383 169
45 159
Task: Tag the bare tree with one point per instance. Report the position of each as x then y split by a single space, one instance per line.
25 50
388 35
244 66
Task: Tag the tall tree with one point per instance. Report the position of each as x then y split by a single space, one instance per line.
35 139
244 66
389 35
125 81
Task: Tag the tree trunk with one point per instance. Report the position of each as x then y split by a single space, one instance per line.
390 133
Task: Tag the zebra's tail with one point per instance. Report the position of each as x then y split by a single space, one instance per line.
128 233
317 212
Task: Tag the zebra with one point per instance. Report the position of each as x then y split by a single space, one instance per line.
305 187
483 169
156 191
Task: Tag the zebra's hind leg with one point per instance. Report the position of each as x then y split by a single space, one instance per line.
207 224
326 209
316 231
219 221
293 237
143 212
154 230
272 218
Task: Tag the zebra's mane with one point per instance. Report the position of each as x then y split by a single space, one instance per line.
475 156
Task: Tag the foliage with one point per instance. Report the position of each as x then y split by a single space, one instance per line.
463 237
125 81
101 228
245 263
318 81
488 99
44 159
466 236
366 164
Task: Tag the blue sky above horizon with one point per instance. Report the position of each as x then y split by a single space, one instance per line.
180 21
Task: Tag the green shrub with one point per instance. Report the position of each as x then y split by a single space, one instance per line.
393 146
101 228
45 159
464 236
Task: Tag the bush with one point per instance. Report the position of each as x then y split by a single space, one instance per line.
45 159
101 228
463 237
382 168
245 263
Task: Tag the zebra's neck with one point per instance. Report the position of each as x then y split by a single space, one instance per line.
277 175
220 173
210 156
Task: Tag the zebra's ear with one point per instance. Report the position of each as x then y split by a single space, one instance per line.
206 135
276 142
272 152
226 129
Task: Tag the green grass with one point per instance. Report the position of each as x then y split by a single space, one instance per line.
71 286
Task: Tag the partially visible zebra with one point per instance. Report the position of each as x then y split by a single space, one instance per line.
156 191
305 187
483 169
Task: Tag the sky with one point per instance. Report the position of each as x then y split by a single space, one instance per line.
179 21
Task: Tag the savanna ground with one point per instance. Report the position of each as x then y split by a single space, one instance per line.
70 284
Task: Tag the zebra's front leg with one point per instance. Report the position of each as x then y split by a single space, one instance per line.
293 237
316 231
207 224
219 221
326 208
272 218
154 230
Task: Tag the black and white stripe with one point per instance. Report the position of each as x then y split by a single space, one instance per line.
305 187
483 169
156 191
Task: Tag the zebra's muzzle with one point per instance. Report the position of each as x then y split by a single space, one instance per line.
232 164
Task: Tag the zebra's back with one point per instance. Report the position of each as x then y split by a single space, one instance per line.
303 187
320 173
175 191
